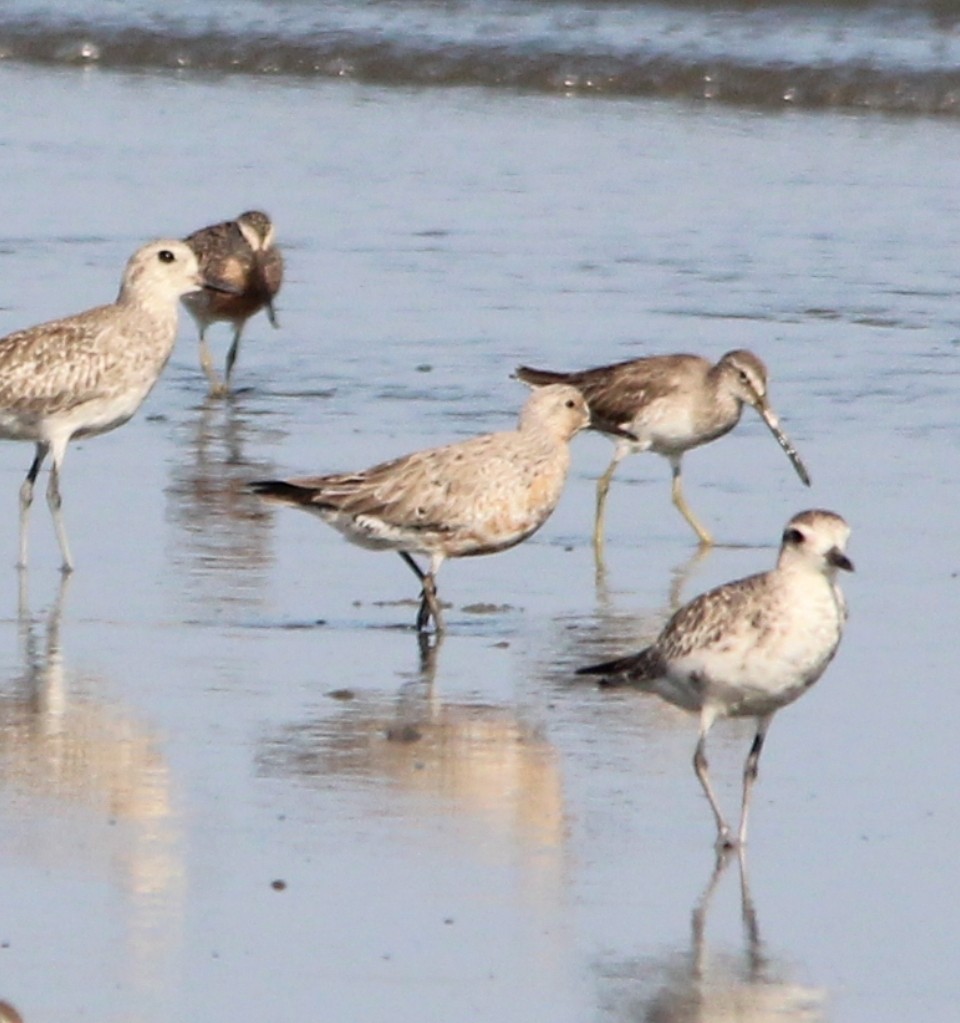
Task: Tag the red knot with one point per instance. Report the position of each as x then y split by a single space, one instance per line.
478 496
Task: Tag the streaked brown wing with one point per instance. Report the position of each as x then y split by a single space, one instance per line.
618 392
45 370
708 618
433 489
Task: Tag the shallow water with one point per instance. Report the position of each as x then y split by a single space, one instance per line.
232 780
881 56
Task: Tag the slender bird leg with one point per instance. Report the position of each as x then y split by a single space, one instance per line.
750 769
433 606
23 594
206 362
603 486
678 499
26 498
430 592
232 357
700 766
423 615
414 567
54 502
429 605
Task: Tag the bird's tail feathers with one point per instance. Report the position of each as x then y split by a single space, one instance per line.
281 490
632 670
539 377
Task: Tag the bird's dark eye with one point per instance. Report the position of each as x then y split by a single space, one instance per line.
571 403
744 379
792 536
166 256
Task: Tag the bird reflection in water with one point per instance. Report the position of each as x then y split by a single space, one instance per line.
73 746
428 644
698 985
612 626
679 577
81 760
222 525
462 759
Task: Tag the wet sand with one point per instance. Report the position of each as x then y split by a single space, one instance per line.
232 782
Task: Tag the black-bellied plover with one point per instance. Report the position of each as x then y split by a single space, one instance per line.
750 647
669 404
88 373
242 252
478 496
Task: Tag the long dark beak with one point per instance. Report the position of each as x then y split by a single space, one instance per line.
217 284
619 431
610 428
264 288
767 414
838 559
607 427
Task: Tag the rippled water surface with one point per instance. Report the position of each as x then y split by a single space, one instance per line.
232 782
882 56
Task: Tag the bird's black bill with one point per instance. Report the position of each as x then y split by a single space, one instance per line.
839 560
216 284
784 441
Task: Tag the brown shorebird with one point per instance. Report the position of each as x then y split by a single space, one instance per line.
8 1014
243 253
669 404
89 373
750 647
478 496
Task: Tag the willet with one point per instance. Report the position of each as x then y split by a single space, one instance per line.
88 373
478 496
750 647
669 404
243 253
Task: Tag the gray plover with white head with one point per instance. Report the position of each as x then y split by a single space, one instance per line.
89 373
477 496
669 404
243 253
750 647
